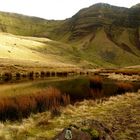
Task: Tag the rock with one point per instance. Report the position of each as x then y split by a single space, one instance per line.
86 130
76 135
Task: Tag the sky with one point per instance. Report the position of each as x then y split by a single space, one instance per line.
55 9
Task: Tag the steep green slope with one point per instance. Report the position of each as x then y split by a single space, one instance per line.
107 52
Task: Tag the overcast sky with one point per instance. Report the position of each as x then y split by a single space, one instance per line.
55 9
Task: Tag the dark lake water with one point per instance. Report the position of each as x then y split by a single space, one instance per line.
79 88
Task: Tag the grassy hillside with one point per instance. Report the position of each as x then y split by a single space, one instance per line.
31 51
24 25
98 36
104 52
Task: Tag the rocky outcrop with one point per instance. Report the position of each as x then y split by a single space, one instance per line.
86 130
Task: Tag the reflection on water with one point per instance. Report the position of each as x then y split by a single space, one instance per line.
80 88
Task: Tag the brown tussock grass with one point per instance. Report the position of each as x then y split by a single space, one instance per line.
13 108
26 104
123 87
96 82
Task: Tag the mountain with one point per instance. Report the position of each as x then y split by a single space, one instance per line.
101 35
101 15
105 34
26 25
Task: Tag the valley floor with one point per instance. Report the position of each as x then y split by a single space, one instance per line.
120 114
